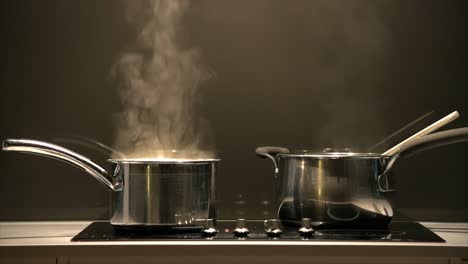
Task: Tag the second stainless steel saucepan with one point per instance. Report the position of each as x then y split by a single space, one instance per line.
145 192
342 189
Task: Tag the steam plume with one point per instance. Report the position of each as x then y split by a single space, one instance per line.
159 83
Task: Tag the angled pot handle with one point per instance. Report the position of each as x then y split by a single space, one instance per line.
271 152
62 154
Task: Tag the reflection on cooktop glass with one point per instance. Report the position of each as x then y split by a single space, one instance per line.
252 230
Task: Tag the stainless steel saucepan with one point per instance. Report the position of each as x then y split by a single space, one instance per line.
342 189
145 192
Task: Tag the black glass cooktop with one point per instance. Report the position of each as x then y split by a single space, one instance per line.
395 232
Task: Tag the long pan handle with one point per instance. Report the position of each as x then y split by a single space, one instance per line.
434 140
424 143
62 154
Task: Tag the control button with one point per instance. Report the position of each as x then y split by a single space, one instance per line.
209 229
273 227
306 229
241 229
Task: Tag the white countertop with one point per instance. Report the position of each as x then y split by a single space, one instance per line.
17 238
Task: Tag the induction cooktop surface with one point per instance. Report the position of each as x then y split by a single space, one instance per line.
251 230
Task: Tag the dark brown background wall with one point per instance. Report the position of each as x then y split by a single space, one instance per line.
301 74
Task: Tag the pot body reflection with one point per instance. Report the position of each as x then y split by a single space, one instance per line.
333 192
157 194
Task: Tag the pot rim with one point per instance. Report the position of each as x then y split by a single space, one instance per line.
333 155
162 161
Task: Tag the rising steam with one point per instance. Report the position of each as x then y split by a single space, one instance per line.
158 86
